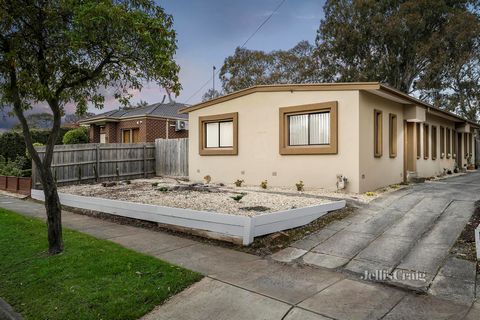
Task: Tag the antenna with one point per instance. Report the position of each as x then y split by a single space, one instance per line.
213 80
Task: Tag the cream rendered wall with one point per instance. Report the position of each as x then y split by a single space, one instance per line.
429 167
383 171
258 143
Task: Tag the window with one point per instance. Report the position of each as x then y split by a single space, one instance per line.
309 129
218 134
442 142
131 135
419 141
449 145
393 135
103 138
377 131
426 141
434 142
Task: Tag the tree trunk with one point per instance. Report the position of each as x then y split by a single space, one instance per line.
54 213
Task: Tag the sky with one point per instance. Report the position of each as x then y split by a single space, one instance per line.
208 31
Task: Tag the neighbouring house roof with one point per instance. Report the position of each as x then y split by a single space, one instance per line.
158 110
372 87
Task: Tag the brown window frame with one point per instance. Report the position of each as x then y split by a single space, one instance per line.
393 143
434 142
442 142
285 112
426 141
221 151
377 133
448 139
419 140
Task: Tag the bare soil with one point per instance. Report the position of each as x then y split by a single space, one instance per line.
465 247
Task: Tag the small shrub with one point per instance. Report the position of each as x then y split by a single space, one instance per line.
238 183
163 189
14 168
207 179
300 185
395 186
238 197
449 171
455 170
263 184
76 136
370 193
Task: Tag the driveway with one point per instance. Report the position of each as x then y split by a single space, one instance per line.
403 238
241 286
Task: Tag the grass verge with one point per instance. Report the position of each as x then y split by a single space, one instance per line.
92 279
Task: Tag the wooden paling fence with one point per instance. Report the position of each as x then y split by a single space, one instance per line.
171 157
98 162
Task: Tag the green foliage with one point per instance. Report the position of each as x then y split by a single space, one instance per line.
163 189
300 186
41 121
12 143
15 167
370 193
238 197
263 184
239 182
246 68
430 47
76 136
210 94
92 279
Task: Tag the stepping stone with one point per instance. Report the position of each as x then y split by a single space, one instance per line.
378 223
431 204
297 314
407 202
324 260
386 249
426 308
344 244
314 239
459 269
351 300
456 290
288 254
412 225
365 269
425 258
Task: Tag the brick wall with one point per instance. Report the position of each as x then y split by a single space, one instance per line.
94 133
149 130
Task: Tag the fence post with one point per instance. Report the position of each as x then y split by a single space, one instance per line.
144 160
97 159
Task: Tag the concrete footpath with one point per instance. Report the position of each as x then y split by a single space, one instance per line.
243 286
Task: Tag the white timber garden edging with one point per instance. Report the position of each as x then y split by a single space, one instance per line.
237 227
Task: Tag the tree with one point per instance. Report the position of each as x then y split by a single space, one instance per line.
246 68
37 121
75 136
59 52
211 94
408 44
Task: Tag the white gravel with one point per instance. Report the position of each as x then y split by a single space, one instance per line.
142 191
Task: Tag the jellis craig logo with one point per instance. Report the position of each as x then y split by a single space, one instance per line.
402 275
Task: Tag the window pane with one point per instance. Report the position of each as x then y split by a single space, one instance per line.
298 130
320 128
211 133
226 134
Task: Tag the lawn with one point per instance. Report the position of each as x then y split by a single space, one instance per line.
92 279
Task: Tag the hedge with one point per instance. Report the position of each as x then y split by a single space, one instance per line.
12 143
76 136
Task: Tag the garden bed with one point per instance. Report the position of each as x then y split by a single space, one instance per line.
210 198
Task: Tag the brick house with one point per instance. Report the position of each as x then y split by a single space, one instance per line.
142 124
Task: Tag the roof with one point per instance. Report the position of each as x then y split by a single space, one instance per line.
160 110
372 87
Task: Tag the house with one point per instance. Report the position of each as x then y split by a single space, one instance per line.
368 133
142 124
